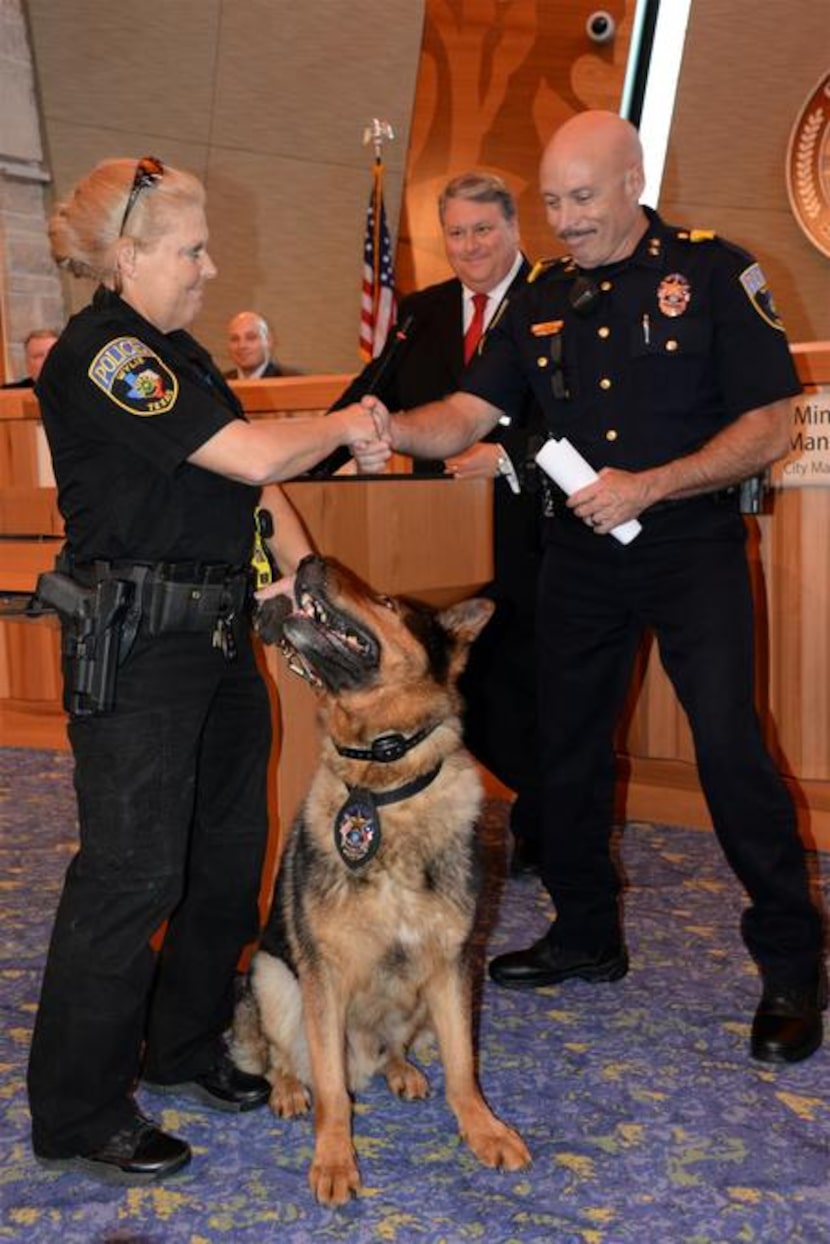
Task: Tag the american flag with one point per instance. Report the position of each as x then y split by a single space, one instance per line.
378 306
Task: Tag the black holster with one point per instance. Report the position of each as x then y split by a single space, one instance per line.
92 620
752 493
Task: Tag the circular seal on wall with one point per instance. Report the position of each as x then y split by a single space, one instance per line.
808 166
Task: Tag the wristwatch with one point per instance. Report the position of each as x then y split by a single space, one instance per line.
505 467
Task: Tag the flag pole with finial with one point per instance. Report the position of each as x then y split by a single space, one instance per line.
377 311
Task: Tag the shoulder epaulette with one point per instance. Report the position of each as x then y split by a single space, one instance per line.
562 264
709 235
696 235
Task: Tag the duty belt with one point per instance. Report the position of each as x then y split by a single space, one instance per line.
174 596
726 498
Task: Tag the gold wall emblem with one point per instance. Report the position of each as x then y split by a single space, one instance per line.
808 166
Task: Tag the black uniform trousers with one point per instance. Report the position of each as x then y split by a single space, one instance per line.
172 804
498 685
686 578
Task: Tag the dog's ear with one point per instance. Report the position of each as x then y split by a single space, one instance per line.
465 620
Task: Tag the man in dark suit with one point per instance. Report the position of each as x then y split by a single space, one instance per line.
481 238
251 346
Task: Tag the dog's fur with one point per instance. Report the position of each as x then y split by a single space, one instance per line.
356 963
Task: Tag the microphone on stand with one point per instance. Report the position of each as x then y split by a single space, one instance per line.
399 339
329 466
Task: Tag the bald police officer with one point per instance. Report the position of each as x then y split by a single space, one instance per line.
659 354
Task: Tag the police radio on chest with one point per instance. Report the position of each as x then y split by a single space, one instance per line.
584 295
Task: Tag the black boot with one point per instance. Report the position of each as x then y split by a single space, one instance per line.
788 1026
546 963
138 1153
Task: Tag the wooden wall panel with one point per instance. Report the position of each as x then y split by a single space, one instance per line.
790 550
496 78
796 548
267 101
747 70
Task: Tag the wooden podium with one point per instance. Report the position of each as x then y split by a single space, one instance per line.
429 539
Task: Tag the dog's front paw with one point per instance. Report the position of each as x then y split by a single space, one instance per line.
334 1178
289 1097
500 1147
406 1080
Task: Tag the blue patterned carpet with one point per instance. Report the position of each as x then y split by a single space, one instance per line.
647 1121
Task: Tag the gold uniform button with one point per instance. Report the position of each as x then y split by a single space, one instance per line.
605 286
542 361
604 332
611 434
671 345
605 383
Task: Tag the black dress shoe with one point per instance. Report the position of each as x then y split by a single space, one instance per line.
222 1087
545 963
140 1153
787 1026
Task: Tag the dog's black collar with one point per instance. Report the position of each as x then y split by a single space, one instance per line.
386 747
407 790
357 827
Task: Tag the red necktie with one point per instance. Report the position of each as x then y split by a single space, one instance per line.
476 328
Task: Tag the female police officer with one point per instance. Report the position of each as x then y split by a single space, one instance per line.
159 475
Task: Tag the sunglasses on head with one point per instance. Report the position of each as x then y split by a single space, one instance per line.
148 171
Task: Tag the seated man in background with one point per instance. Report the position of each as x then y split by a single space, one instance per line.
251 345
443 325
36 345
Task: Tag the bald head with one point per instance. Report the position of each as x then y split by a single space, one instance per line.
591 178
249 342
599 136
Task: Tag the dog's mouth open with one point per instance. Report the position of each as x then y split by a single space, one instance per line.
322 642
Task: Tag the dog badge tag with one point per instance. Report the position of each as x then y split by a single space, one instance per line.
357 828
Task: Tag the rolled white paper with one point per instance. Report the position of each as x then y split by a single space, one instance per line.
567 468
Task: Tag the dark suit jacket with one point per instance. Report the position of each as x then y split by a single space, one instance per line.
272 368
499 686
429 365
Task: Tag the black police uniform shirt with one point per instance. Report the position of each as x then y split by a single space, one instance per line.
670 346
124 405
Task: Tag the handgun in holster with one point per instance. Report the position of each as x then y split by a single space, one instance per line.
91 624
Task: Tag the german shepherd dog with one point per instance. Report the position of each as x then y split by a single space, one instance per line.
368 942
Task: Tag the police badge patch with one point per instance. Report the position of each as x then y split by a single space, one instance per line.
758 293
357 828
134 377
674 294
